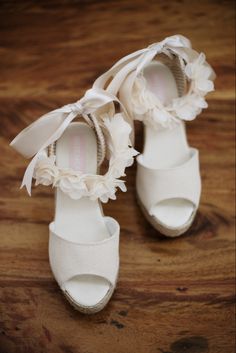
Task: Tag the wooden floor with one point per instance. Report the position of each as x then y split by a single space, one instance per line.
173 296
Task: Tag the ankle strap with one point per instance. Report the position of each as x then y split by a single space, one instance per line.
35 139
121 77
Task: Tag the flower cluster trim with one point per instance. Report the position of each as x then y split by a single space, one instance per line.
76 184
147 107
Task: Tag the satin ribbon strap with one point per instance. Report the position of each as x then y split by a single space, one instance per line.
117 73
30 140
47 129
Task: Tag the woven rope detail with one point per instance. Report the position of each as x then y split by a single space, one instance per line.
175 67
101 150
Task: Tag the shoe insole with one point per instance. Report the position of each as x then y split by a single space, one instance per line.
80 221
166 147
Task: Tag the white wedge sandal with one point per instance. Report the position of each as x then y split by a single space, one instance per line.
83 244
163 86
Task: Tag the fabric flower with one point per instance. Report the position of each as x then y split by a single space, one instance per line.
142 99
103 190
189 106
121 160
119 131
45 171
147 107
158 116
200 72
72 183
104 187
121 153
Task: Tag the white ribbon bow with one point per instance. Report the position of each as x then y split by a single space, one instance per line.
136 61
48 128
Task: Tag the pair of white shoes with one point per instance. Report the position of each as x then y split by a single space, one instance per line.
162 85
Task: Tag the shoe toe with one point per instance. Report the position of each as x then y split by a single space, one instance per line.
88 291
173 213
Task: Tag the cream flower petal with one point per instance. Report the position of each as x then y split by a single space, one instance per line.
119 131
45 171
200 102
149 109
72 183
77 185
205 85
200 72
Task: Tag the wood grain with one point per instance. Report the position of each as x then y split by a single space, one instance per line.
173 296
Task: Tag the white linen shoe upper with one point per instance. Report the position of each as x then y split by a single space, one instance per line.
164 85
83 244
